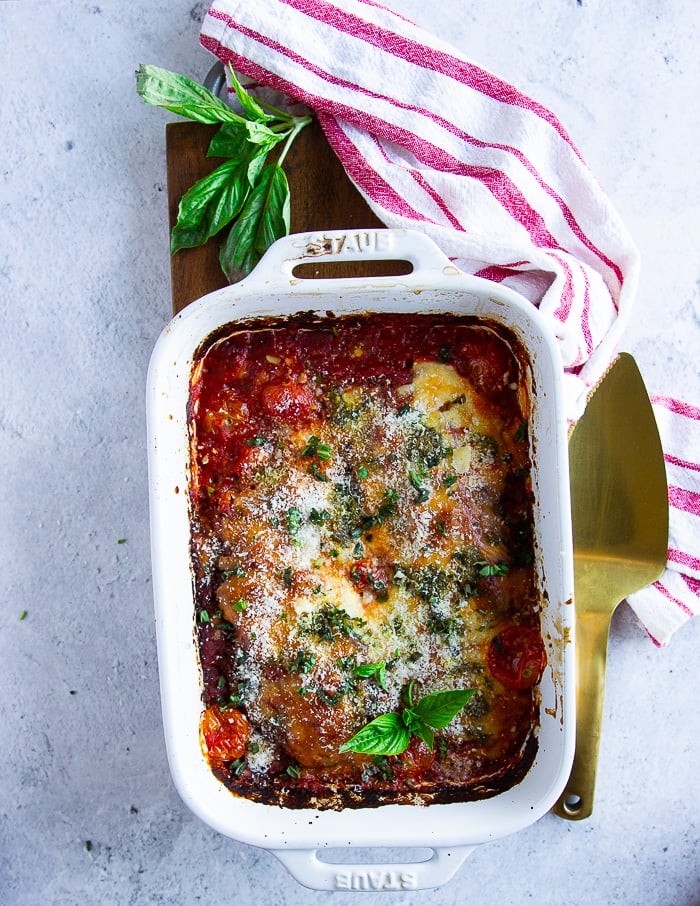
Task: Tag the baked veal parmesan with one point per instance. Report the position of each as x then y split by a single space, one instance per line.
362 537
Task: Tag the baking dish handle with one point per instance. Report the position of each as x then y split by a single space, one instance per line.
305 866
280 260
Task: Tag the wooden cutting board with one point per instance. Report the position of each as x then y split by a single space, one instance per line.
322 198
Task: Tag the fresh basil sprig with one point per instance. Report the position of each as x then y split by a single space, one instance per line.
390 734
245 191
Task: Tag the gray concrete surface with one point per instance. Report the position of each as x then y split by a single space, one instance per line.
88 813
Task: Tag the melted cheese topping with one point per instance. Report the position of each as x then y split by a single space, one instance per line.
357 541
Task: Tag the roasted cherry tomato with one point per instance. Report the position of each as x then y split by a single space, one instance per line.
224 733
516 657
289 400
414 762
370 575
225 414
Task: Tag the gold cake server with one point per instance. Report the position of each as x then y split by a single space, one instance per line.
619 505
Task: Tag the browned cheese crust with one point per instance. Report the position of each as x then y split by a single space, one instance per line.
362 521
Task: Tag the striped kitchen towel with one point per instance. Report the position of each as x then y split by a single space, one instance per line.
436 143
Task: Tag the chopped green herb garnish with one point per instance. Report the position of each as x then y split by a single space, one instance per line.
240 605
347 662
293 520
23 615
493 569
328 623
416 477
314 447
522 432
304 662
362 473
426 446
317 472
442 625
310 447
318 517
236 570
329 698
387 508
294 771
237 767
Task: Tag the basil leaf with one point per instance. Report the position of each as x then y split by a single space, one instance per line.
275 217
368 670
210 204
423 731
245 189
234 139
228 141
410 719
439 708
249 105
385 735
418 727
259 134
181 95
263 219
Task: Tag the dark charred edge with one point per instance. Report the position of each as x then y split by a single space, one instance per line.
306 319
309 319
338 799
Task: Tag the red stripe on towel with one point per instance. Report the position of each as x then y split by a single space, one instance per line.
404 137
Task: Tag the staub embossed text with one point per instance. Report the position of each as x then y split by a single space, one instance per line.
362 241
379 879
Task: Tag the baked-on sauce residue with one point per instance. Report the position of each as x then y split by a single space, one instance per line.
361 522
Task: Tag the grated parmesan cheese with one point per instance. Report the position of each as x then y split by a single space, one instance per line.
361 526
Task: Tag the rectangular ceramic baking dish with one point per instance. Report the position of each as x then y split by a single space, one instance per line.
299 836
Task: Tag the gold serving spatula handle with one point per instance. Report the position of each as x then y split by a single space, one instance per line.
619 510
592 628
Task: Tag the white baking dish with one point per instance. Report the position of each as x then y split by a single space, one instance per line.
296 836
